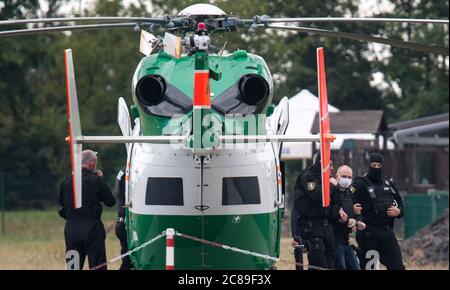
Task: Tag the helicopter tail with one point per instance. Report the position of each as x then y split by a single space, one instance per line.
73 116
325 133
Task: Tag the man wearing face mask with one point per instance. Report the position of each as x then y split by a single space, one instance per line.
345 256
381 203
313 228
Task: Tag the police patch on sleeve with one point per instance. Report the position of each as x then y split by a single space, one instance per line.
352 189
311 185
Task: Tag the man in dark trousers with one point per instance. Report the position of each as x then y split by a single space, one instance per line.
345 256
297 242
381 203
84 231
314 228
121 233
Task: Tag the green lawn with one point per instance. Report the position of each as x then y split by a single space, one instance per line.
35 240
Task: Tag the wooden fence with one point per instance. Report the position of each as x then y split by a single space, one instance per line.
414 170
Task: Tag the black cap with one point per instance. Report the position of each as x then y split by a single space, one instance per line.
376 157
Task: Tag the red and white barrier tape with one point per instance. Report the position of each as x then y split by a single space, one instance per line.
170 251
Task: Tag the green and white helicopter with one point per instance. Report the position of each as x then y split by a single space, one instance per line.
204 139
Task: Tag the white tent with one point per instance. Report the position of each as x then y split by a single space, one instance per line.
302 110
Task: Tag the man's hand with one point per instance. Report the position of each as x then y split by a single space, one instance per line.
360 226
99 173
294 243
351 223
333 181
357 208
342 216
393 211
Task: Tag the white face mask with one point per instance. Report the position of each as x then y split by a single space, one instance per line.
345 182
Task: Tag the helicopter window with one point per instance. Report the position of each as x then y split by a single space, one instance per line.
240 190
164 191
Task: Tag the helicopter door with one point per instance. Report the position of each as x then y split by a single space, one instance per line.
280 120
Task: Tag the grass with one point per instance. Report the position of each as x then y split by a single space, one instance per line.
35 240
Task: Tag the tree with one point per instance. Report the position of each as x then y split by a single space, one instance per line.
421 77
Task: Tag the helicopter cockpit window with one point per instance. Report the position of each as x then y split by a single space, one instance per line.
240 190
164 191
157 97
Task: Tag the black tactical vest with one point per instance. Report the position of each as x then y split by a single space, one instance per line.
381 197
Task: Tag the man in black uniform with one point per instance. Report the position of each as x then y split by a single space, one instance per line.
313 228
381 204
84 231
121 233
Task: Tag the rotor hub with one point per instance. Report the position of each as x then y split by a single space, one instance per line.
202 10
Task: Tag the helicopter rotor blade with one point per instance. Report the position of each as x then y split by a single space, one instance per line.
65 28
393 42
104 19
266 20
73 116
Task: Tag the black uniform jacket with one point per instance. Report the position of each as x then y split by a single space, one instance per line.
94 191
344 199
308 198
375 198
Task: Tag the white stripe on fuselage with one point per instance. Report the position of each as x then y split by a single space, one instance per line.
159 160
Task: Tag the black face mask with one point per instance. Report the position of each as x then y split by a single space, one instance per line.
375 173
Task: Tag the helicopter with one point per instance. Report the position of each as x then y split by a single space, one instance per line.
203 137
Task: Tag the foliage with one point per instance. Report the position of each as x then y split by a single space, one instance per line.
33 122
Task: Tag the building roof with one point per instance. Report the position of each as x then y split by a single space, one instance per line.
419 122
354 122
428 131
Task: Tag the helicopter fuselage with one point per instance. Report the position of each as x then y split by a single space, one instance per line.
230 195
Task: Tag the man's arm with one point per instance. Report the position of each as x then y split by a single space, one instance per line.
105 194
398 198
357 189
335 204
62 199
120 193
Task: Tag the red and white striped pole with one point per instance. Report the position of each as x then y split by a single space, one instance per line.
170 249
